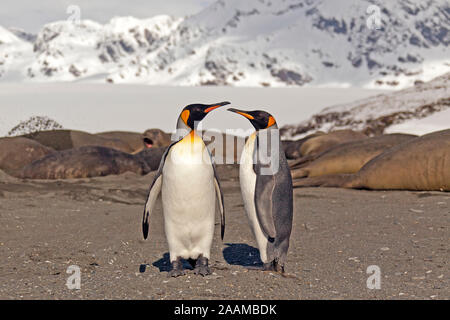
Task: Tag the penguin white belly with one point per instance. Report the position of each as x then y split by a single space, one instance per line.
247 178
188 198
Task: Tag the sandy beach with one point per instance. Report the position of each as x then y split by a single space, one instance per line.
46 226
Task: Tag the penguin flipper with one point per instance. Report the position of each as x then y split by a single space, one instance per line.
264 189
219 195
151 199
153 193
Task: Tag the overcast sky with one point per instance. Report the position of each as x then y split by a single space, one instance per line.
31 15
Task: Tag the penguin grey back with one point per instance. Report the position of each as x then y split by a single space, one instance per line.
269 204
273 193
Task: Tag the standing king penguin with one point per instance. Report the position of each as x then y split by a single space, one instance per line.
266 186
188 184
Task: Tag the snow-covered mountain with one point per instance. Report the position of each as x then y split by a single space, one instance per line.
244 43
379 113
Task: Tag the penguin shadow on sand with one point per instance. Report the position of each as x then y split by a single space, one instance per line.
239 254
242 254
163 264
246 256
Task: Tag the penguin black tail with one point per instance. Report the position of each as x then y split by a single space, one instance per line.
145 225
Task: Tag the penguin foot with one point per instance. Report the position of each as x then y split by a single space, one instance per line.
274 265
201 267
254 268
177 269
203 270
269 266
176 273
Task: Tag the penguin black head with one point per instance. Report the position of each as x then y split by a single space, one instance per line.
196 112
259 119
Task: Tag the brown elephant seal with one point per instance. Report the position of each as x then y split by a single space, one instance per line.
133 139
151 157
292 147
68 139
323 142
17 152
224 148
84 162
349 157
156 138
6 178
421 163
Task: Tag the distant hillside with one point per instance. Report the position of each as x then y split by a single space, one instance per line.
374 114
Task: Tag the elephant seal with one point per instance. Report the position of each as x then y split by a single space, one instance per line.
292 147
421 163
133 139
156 138
151 157
225 148
349 157
6 178
17 152
67 139
84 162
323 142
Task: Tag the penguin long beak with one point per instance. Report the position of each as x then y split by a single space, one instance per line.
242 113
215 106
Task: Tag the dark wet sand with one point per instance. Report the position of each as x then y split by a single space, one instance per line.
47 226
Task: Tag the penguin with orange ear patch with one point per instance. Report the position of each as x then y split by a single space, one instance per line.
189 186
266 187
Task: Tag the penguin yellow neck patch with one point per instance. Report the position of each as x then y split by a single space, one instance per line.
192 138
190 147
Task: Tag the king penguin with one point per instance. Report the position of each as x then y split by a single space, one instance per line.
189 186
266 186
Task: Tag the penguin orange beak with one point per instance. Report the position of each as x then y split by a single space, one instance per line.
215 106
242 113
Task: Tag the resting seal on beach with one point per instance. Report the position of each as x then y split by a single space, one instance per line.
225 148
68 139
6 178
156 138
83 162
133 139
348 157
17 152
319 144
292 147
422 163
151 157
